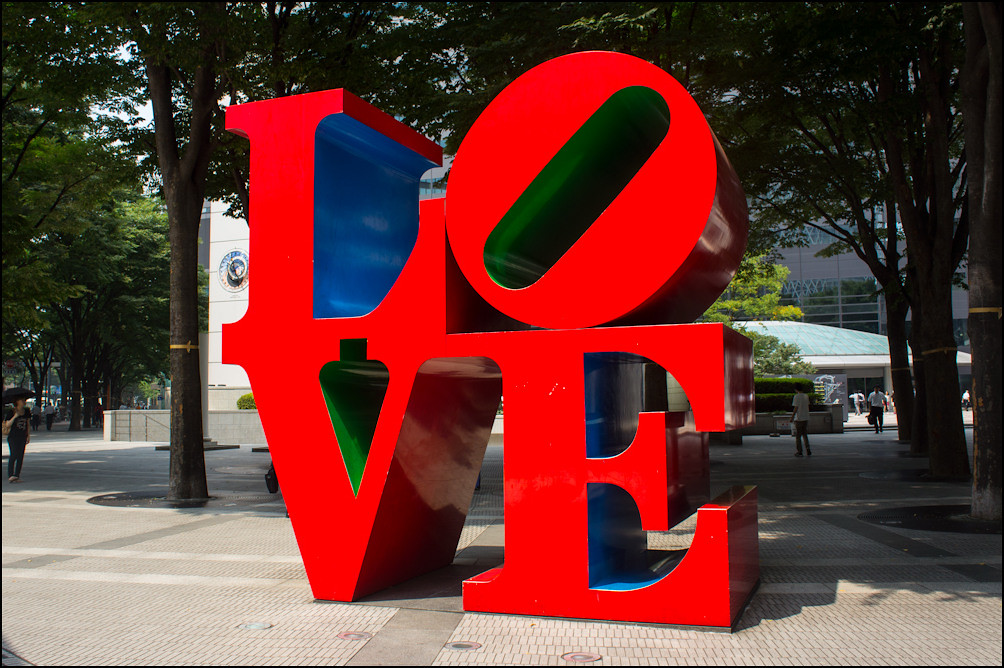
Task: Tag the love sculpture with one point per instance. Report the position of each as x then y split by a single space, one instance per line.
588 208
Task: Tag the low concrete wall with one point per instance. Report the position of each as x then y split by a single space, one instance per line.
829 421
228 427
237 427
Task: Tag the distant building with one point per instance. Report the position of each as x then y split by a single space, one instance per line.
862 356
840 291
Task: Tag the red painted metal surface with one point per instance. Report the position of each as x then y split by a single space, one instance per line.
423 462
547 568
661 252
449 336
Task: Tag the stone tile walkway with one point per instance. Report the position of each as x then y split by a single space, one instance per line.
89 584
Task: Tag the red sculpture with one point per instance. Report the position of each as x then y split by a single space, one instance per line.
590 198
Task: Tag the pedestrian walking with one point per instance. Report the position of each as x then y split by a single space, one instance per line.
50 415
800 418
36 417
877 402
16 426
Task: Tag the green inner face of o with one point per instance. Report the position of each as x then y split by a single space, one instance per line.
576 186
354 390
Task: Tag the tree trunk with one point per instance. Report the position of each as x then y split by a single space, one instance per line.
88 407
75 407
936 237
188 464
981 109
902 380
64 385
948 455
919 442
184 178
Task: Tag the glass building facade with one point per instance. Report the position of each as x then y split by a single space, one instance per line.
840 291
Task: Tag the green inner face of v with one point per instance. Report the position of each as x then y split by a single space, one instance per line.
576 186
354 390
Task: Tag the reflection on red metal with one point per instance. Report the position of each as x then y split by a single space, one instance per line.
591 199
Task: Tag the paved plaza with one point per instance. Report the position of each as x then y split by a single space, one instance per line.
223 584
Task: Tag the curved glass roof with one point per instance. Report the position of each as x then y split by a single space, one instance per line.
820 339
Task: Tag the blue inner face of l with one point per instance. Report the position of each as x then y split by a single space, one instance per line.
365 215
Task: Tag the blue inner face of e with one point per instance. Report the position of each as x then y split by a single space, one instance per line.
365 215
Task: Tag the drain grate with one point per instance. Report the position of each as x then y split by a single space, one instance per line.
463 645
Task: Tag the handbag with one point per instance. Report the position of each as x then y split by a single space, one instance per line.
271 480
871 419
794 429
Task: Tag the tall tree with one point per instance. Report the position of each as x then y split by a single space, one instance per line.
180 51
194 59
115 329
921 140
843 120
981 107
58 159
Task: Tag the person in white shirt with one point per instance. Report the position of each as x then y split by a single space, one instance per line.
50 415
877 402
800 418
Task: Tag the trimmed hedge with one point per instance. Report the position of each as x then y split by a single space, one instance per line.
782 385
246 402
772 395
770 403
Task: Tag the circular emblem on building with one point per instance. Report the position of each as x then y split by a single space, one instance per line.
234 271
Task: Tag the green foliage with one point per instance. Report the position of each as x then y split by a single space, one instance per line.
775 394
148 389
113 329
754 294
246 402
58 160
772 356
774 403
782 385
119 322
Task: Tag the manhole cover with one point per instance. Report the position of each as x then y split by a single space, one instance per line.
355 635
952 518
463 645
581 657
256 626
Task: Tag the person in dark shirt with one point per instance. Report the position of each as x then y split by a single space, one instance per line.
17 421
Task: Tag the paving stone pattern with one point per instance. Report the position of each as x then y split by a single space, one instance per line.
86 584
